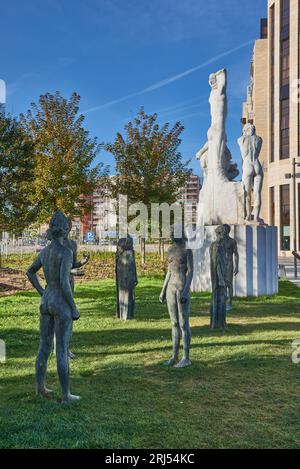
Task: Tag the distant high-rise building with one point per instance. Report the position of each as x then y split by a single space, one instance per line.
274 108
189 196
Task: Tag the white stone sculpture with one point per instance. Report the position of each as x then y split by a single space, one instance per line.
221 199
253 174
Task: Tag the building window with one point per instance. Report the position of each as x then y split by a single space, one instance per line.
272 33
285 62
264 28
284 129
272 206
285 219
285 18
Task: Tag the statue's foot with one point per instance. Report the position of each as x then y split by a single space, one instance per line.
70 398
171 362
183 363
44 392
71 355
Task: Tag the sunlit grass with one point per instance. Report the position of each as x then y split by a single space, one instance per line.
242 390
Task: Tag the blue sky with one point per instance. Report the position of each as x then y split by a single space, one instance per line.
122 54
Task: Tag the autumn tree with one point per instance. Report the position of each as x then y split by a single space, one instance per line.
149 165
16 176
64 156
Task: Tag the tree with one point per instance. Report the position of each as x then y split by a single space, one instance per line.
149 166
64 153
16 176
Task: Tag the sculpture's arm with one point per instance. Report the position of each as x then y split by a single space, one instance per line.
295 254
65 269
201 152
220 275
258 147
240 143
222 80
236 258
32 277
76 263
189 276
162 297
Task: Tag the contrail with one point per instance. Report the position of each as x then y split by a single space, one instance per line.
168 81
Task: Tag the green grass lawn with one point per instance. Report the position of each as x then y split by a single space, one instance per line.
242 390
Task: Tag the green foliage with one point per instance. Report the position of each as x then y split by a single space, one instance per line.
16 176
240 392
64 154
149 166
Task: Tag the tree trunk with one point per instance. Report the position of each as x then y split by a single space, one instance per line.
143 251
162 255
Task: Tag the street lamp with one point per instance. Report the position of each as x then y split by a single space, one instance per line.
294 176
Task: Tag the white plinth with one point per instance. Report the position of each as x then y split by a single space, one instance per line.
258 266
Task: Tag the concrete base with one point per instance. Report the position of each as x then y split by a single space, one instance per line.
258 268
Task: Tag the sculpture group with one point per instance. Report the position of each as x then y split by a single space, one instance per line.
222 200
224 203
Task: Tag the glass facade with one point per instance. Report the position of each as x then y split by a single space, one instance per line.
285 79
285 218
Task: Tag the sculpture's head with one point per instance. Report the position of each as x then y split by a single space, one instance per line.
248 130
58 226
129 243
213 81
227 229
220 232
177 233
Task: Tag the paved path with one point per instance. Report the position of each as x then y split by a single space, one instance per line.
288 263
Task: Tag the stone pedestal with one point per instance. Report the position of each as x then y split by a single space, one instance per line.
258 267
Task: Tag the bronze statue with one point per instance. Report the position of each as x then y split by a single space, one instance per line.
57 309
176 292
218 280
71 244
232 268
126 279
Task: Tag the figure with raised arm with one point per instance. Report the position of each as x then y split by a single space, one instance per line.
176 292
57 309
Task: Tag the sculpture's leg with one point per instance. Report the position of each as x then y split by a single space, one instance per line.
229 295
173 312
45 347
184 313
131 304
258 182
247 187
222 308
63 331
214 310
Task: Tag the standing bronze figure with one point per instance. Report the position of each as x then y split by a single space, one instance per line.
176 292
126 279
57 309
218 280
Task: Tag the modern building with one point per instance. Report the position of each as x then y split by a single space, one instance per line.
273 106
189 196
102 219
